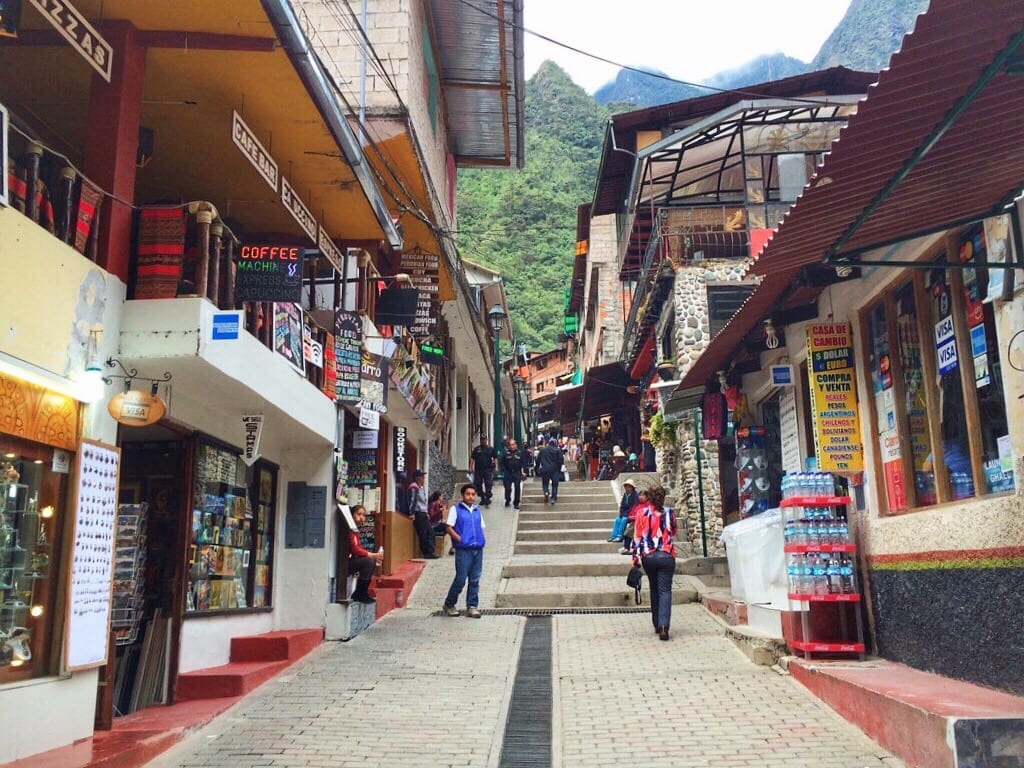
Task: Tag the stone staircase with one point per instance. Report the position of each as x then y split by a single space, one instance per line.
562 557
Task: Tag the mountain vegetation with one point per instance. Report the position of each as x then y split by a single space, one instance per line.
523 224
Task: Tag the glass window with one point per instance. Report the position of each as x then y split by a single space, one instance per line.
31 505
231 545
915 406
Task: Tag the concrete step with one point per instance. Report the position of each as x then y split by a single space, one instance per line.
558 513
234 679
605 505
577 592
605 563
594 546
566 534
927 720
545 524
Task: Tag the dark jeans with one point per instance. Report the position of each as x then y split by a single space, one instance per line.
362 567
660 567
469 563
551 478
513 480
424 533
484 485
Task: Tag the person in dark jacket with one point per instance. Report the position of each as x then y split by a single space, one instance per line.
482 463
630 499
513 465
420 518
549 465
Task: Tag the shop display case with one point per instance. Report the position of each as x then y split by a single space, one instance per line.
821 566
129 573
754 482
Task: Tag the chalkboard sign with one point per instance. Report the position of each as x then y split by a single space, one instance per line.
368 532
269 273
362 467
348 343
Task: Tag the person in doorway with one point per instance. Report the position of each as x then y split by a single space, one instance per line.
360 561
513 465
482 463
654 529
466 527
549 465
421 520
630 499
436 512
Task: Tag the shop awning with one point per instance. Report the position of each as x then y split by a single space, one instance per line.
605 389
567 402
205 61
935 144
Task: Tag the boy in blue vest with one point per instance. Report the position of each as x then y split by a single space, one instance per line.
465 525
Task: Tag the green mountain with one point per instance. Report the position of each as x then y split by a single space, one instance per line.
868 34
524 223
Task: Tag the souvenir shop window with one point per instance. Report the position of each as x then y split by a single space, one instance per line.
32 507
938 324
231 542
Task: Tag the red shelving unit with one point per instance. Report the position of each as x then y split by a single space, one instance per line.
843 590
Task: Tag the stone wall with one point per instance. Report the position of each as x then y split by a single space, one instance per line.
678 464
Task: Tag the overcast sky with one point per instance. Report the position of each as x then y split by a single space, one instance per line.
686 39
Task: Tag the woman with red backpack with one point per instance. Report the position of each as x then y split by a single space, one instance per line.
654 527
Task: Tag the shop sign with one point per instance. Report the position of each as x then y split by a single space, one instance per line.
373 385
61 461
781 375
226 326
298 210
253 150
288 335
892 467
3 155
789 431
399 437
369 420
269 272
945 345
74 28
136 408
834 408
364 438
348 351
252 425
422 269
330 251
979 350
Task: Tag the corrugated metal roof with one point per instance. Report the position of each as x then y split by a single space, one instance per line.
933 104
480 48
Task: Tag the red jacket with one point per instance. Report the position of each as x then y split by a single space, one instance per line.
355 548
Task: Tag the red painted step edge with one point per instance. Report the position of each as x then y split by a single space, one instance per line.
235 679
285 645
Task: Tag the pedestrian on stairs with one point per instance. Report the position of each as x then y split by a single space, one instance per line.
466 527
483 461
549 465
513 466
361 561
630 499
652 547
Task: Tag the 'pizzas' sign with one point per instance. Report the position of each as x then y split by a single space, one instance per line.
80 33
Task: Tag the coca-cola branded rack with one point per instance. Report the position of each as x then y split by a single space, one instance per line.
821 565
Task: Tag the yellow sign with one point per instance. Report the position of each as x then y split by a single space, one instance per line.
136 408
833 383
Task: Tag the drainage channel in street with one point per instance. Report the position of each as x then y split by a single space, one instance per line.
527 742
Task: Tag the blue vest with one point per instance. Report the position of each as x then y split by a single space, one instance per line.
469 525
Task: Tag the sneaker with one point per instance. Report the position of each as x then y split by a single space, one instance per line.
451 551
616 539
431 556
450 610
508 503
473 613
545 498
623 551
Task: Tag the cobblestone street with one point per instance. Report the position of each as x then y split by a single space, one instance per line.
421 690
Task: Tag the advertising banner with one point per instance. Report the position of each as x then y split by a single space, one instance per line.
373 389
288 335
422 268
269 273
833 384
348 351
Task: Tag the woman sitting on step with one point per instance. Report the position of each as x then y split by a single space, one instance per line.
361 561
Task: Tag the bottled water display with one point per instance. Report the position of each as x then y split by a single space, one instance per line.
821 574
803 484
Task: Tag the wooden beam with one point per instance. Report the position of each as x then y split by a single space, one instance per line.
159 38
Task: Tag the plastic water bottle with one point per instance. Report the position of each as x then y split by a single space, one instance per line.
846 585
793 571
806 582
820 577
832 575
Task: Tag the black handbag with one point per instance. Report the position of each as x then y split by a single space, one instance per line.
635 579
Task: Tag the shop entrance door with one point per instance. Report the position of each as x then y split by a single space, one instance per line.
149 576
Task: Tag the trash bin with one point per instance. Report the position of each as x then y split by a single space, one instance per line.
757 567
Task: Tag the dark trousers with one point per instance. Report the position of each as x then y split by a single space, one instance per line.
551 478
469 564
484 485
424 532
361 567
660 567
513 480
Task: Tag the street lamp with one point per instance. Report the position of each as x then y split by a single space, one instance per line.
496 317
518 382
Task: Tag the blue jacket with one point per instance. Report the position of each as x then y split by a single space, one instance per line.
629 500
469 525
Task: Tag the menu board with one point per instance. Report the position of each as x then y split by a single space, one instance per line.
288 335
362 467
833 386
92 557
373 389
348 346
422 268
